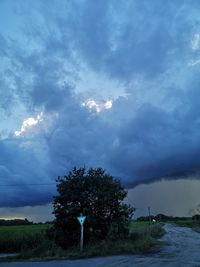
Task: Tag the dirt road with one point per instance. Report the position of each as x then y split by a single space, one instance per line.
182 249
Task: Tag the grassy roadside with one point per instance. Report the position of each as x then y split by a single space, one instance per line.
143 238
195 225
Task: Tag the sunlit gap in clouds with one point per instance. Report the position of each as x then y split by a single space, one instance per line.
195 46
12 218
28 124
93 105
195 42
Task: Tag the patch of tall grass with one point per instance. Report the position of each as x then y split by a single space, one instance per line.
21 237
152 230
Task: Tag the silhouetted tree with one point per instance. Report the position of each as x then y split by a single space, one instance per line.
95 194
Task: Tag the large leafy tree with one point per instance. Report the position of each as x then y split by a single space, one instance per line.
99 197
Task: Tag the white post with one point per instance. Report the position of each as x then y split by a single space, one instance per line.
81 246
81 220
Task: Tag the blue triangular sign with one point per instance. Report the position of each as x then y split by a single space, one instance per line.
81 219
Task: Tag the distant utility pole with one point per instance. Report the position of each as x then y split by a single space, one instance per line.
149 212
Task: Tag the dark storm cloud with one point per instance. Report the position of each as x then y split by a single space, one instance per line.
157 144
20 166
151 133
121 39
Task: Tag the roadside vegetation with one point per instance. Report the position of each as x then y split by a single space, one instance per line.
193 222
142 238
32 242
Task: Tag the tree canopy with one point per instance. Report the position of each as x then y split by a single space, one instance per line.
99 197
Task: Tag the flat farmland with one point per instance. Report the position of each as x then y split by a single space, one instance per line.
16 238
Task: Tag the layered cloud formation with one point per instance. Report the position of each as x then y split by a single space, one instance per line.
97 83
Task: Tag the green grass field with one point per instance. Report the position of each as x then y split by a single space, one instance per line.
138 224
16 238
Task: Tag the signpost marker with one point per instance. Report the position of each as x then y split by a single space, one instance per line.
81 220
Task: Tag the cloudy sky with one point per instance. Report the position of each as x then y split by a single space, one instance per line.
102 83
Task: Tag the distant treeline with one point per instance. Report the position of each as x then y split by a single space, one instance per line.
25 221
165 218
14 222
